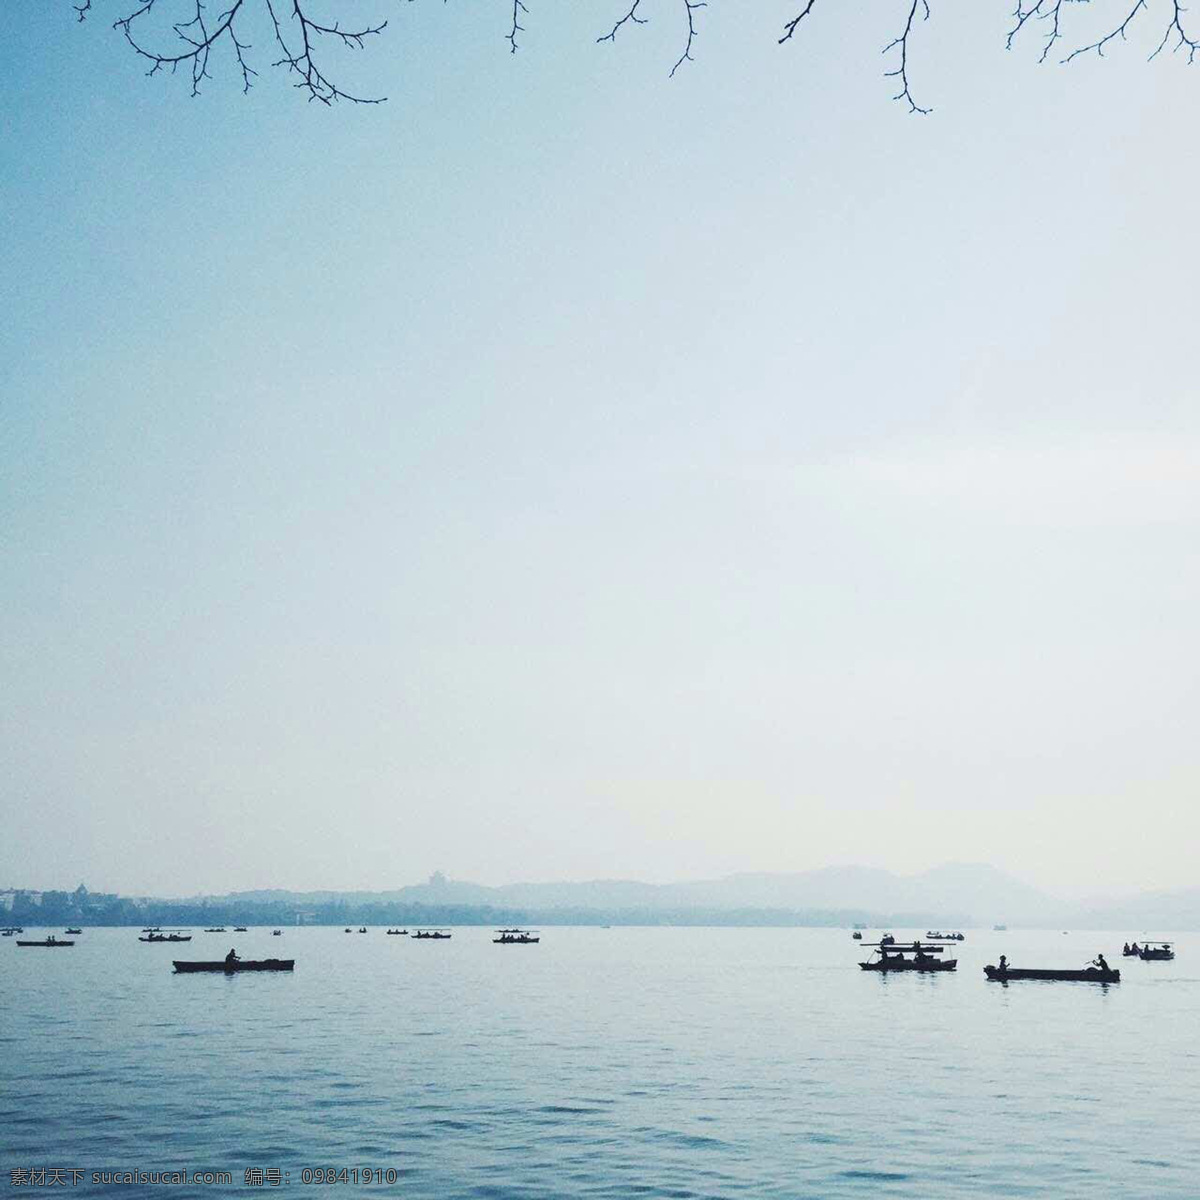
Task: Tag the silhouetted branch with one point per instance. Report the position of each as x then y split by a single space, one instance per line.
511 37
1052 11
686 56
901 72
1108 37
631 15
1184 41
790 27
1043 10
195 34
200 38
300 62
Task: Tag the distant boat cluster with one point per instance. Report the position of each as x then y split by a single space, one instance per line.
926 957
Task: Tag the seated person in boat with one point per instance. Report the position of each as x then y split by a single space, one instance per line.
1003 962
231 957
1134 949
1125 948
1101 963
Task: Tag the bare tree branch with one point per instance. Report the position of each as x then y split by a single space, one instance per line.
201 41
1043 10
1108 37
686 56
194 36
631 15
1051 11
790 27
518 8
901 72
1184 41
301 63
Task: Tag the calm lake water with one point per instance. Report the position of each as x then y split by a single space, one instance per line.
604 1063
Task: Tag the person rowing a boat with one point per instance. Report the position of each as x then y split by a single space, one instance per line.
1099 962
1003 962
231 959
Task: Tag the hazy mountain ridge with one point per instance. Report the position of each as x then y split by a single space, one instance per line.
954 894
961 893
967 893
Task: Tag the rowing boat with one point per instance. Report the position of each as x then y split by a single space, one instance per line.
171 937
48 942
1089 975
229 968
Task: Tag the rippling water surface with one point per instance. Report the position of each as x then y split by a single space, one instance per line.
605 1063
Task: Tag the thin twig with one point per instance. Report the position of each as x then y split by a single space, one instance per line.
631 15
790 27
686 56
511 36
901 72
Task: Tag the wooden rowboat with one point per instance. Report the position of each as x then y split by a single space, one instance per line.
170 937
48 942
265 964
1089 975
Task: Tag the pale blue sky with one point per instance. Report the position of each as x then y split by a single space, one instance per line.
561 472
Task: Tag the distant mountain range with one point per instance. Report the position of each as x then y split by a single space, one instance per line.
969 894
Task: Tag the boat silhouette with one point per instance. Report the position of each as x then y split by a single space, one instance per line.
233 968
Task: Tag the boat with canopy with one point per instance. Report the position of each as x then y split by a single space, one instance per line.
916 956
1156 951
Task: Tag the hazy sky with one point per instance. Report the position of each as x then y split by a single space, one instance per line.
562 472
